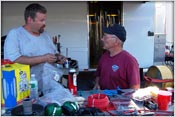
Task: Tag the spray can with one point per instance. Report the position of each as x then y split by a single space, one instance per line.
72 81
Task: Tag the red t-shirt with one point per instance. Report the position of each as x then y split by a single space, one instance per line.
120 70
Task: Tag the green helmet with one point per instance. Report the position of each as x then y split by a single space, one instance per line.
53 109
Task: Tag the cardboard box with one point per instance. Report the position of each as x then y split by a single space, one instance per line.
15 84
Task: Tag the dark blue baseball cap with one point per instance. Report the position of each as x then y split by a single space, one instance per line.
117 30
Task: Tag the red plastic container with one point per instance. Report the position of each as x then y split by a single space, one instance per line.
100 101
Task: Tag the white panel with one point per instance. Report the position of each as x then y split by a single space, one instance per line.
138 20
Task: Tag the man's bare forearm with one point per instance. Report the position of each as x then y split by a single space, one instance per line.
135 86
49 58
30 60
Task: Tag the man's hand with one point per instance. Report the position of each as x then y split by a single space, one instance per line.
49 58
60 59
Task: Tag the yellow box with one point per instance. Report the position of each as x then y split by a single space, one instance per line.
15 84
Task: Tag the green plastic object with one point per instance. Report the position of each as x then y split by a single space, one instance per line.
70 108
53 109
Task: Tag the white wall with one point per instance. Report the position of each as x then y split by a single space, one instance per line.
69 19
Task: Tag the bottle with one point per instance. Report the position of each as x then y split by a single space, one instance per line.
33 88
66 64
72 81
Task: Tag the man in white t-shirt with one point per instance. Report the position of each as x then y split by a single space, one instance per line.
30 44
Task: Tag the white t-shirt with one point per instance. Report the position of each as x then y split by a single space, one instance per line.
20 42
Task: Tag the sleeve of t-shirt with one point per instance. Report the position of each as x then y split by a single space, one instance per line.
11 46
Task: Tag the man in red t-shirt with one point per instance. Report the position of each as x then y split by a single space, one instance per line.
116 67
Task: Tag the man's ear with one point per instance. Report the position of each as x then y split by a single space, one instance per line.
29 19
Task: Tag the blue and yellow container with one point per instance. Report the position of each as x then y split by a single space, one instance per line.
15 79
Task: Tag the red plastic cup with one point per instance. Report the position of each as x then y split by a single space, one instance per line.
163 99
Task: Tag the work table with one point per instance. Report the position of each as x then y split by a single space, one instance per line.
126 102
120 104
